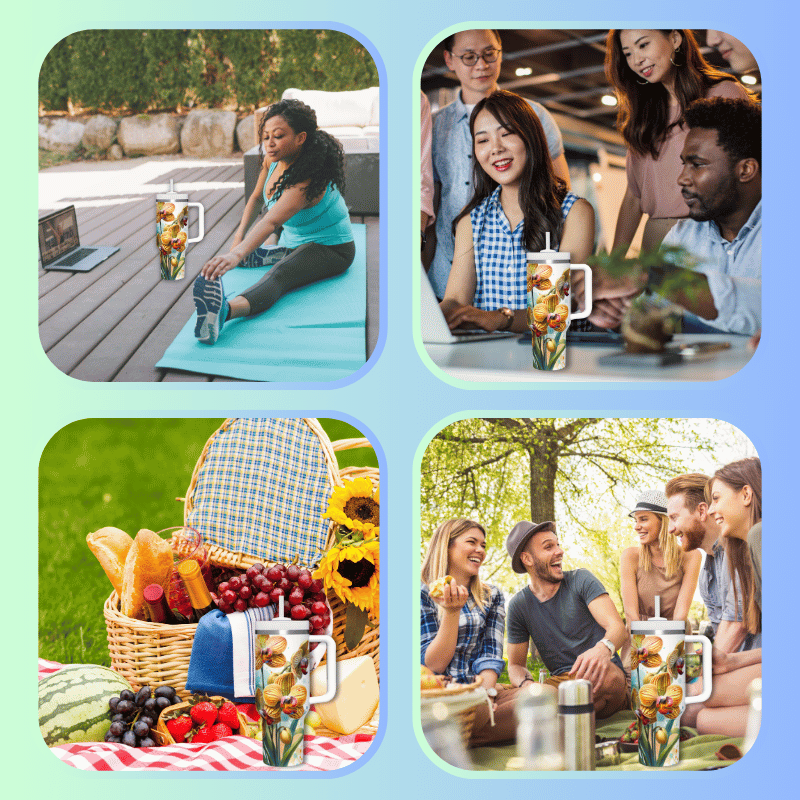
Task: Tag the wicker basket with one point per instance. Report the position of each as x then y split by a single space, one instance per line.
148 653
465 716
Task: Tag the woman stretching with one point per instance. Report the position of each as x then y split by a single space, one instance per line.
517 199
463 622
301 181
656 74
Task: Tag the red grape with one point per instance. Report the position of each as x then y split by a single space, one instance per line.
228 597
261 600
274 574
319 608
299 612
316 621
235 583
259 582
245 592
319 597
222 587
304 579
285 584
252 572
296 596
275 594
292 572
316 585
240 605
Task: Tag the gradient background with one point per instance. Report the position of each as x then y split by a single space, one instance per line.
398 403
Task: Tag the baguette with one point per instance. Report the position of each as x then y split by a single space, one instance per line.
149 561
111 546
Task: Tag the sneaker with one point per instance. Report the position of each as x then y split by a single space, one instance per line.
212 309
265 256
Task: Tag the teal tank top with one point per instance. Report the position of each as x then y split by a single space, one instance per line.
327 222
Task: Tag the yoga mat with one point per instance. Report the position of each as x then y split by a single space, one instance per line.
316 333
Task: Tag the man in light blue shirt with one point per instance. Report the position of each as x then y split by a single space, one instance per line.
475 57
721 184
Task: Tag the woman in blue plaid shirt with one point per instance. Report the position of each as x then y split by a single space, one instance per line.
464 622
517 199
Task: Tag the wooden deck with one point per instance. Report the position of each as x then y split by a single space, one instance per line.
115 322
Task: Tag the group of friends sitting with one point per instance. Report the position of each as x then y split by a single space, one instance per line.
568 618
693 138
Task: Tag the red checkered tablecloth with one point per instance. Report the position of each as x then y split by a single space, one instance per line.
231 753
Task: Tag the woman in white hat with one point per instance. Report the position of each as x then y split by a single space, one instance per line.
656 567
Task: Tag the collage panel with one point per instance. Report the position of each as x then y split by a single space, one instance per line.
590 206
238 629
209 205
590 594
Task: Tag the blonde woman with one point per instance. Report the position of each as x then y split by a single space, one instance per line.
655 567
463 622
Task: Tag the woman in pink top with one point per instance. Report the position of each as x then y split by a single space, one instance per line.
656 74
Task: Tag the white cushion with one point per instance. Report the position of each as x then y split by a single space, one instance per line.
338 109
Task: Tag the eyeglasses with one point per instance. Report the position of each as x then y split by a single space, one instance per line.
489 55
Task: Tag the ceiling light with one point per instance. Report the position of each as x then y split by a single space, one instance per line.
521 71
749 79
608 100
597 177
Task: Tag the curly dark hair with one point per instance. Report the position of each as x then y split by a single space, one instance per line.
643 115
541 191
321 159
737 123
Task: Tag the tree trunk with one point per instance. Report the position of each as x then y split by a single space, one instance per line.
544 465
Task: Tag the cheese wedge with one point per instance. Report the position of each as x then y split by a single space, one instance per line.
356 698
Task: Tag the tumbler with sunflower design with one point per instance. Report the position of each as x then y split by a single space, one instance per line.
172 231
658 685
283 674
549 313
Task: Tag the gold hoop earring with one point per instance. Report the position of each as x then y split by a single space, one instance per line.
672 59
642 83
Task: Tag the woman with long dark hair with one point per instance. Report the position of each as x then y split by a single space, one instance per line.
517 199
300 182
656 75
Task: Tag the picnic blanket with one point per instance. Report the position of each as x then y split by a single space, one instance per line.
323 754
696 754
316 333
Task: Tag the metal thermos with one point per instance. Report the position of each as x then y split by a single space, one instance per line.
537 728
576 724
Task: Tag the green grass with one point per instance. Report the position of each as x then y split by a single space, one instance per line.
122 473
48 159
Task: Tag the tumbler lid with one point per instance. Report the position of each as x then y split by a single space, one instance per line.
279 624
548 254
658 623
172 196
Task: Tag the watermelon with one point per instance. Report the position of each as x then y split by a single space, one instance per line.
73 703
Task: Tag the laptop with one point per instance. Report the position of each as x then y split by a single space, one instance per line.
60 246
435 329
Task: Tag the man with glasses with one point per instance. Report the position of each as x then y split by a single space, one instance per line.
475 57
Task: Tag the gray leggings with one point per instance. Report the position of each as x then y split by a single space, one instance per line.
306 264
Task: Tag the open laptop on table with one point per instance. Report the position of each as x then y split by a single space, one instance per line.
435 329
60 246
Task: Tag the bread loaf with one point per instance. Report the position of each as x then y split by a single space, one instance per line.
111 546
149 561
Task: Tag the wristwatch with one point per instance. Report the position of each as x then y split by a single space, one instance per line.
492 692
509 315
610 645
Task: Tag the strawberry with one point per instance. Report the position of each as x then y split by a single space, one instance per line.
204 713
179 727
228 715
203 735
220 731
249 710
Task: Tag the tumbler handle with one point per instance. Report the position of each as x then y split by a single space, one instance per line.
706 693
587 293
200 222
330 671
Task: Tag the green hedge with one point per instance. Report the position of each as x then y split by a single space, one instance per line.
149 70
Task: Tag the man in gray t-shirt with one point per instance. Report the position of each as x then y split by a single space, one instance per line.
569 616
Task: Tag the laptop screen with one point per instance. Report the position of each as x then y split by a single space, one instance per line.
58 234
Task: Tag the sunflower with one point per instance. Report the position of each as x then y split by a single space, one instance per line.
351 570
269 651
356 506
645 650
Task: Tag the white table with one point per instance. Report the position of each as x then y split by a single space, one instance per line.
509 361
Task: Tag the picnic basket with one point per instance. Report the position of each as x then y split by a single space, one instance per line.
459 701
257 494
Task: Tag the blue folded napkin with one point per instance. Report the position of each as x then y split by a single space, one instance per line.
223 654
